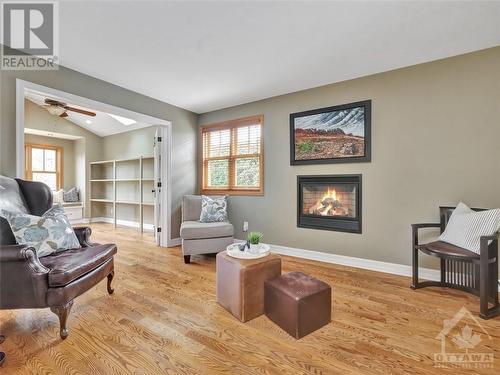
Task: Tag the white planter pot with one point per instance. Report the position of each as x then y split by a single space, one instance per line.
254 248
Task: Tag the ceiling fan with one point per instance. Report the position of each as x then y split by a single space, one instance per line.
57 108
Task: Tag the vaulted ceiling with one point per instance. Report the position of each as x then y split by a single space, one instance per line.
204 56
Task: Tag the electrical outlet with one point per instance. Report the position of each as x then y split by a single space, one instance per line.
245 226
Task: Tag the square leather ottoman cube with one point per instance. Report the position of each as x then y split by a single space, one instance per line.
298 303
240 283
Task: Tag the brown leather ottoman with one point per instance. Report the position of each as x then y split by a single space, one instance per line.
240 283
298 303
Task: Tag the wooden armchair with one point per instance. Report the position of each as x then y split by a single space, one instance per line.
460 268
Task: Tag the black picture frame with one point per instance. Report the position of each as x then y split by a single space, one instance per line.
366 157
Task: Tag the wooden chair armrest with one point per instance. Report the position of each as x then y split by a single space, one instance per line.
425 225
485 244
416 227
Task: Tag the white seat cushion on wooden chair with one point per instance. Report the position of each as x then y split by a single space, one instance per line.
466 227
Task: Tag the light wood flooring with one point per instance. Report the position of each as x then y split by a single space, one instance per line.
163 319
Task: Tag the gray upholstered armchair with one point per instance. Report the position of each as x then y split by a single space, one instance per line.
198 237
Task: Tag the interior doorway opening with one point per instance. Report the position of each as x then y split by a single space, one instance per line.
103 163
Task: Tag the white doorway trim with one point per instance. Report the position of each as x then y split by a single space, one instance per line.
22 86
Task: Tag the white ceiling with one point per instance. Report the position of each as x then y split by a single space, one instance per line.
204 56
102 124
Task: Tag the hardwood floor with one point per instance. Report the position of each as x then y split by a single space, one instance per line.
163 319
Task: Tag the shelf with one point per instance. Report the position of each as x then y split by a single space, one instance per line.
127 202
128 182
102 162
126 160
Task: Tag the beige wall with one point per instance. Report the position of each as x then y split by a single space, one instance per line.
183 129
436 133
68 151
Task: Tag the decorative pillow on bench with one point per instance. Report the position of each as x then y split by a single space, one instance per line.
72 195
213 209
466 227
48 234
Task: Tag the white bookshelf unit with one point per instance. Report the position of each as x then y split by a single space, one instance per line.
121 192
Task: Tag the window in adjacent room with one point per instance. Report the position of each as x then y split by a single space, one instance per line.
232 157
44 164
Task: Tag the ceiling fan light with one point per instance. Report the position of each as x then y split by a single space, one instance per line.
55 110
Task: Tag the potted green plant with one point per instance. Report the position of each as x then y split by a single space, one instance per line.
254 240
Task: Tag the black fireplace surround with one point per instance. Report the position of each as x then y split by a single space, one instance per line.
329 202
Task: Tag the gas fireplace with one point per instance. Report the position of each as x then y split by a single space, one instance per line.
331 202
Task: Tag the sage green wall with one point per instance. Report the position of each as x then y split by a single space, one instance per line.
436 136
68 151
184 170
130 144
184 128
35 117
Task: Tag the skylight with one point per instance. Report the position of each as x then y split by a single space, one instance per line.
125 121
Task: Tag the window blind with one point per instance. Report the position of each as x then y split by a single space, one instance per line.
232 156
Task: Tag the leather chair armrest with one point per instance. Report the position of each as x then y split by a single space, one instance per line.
22 253
83 234
23 279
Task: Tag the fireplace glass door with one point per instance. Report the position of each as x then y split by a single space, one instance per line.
329 200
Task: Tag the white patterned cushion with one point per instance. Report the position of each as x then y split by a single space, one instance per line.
72 195
48 234
466 227
57 196
213 209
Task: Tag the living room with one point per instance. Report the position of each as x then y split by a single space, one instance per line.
304 142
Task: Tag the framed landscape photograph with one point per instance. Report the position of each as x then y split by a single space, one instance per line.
338 134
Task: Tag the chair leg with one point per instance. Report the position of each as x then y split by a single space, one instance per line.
483 286
414 265
110 279
62 312
443 270
187 259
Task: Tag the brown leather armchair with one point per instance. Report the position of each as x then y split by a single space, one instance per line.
28 282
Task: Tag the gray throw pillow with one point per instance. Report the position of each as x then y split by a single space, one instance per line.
213 209
10 196
466 227
71 195
48 234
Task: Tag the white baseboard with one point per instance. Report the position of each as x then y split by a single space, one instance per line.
79 221
126 223
175 242
367 264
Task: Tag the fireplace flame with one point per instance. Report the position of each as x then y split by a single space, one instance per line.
328 205
330 194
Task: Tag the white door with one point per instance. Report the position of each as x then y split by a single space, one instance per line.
157 185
